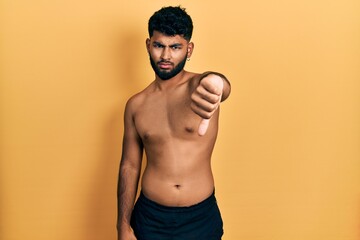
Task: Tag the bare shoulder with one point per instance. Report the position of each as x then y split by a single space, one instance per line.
194 79
138 99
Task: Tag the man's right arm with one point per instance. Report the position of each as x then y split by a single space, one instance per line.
129 174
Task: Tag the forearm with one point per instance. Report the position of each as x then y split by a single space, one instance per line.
127 188
227 85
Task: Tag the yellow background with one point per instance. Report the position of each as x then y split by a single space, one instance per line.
287 160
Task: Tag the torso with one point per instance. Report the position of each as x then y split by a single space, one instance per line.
178 170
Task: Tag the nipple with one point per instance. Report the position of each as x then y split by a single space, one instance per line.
189 129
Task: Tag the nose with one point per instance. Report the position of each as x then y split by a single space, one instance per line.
166 54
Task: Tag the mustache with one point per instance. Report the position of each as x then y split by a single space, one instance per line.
164 61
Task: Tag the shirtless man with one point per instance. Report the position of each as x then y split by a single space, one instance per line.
175 120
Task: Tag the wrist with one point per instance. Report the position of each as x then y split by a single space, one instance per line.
205 74
124 224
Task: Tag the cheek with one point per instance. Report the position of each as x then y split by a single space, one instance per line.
180 53
180 56
155 53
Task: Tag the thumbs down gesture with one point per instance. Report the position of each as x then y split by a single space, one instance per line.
206 99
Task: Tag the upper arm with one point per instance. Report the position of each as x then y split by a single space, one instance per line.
132 149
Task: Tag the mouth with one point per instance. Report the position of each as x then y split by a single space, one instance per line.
165 65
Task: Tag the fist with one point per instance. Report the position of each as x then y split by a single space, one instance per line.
206 99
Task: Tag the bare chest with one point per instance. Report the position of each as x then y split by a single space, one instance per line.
164 116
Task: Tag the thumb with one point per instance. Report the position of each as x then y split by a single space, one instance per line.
204 124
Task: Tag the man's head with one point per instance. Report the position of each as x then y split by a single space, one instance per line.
169 45
171 21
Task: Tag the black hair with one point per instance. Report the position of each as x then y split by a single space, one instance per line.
171 21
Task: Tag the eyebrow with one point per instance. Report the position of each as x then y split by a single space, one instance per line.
176 45
172 45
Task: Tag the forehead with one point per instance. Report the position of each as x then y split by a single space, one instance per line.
167 40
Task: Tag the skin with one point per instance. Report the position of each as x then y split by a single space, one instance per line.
164 120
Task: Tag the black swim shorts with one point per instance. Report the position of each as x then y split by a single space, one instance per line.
152 221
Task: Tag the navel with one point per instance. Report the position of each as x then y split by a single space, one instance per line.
177 186
146 136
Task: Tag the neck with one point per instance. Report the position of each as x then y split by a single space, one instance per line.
172 82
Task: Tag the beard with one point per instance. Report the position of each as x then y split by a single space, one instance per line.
164 74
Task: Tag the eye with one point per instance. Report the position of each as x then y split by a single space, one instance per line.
157 45
176 47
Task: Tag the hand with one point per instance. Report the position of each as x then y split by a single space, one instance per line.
126 233
206 99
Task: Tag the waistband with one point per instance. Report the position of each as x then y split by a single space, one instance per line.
203 204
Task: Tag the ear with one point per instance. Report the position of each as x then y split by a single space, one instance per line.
190 49
147 42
